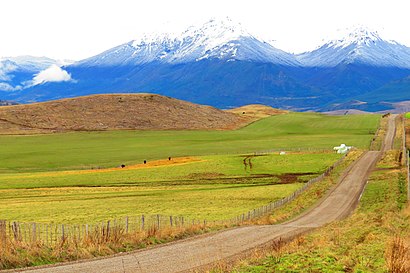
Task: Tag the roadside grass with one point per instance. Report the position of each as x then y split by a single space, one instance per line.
87 150
376 238
20 254
398 141
376 144
214 188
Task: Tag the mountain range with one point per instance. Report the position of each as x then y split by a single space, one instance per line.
223 65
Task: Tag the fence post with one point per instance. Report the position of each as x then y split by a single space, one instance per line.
108 230
142 222
3 234
126 224
170 221
62 233
408 174
34 233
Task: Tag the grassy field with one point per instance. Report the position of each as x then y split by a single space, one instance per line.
202 170
58 177
214 187
86 150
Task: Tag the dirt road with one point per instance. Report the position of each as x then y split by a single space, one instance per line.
203 250
388 141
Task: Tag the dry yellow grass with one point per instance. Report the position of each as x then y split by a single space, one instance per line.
115 112
150 164
255 112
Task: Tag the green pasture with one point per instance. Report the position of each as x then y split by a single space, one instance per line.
92 205
209 170
35 188
86 150
218 187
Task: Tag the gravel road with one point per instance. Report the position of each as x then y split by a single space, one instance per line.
203 250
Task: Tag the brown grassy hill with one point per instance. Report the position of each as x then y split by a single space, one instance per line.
115 112
254 112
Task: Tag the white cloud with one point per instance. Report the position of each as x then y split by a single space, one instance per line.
7 87
52 74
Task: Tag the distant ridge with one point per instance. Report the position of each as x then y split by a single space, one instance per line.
117 112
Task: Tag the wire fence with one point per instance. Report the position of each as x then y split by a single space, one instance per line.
407 157
51 234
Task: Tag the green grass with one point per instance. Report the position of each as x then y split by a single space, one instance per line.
85 150
92 205
218 187
407 115
210 170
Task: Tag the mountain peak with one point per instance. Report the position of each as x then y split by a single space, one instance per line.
358 36
359 45
214 28
219 39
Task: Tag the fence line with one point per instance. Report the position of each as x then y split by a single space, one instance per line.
407 154
52 234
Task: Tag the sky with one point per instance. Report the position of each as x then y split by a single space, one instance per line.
77 29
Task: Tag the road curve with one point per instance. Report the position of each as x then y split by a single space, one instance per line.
203 250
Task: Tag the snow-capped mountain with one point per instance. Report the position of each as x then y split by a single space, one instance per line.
221 64
216 39
359 46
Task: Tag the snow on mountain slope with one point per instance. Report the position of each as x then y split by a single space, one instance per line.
28 63
223 40
360 46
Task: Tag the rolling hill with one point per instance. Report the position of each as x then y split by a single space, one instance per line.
116 112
